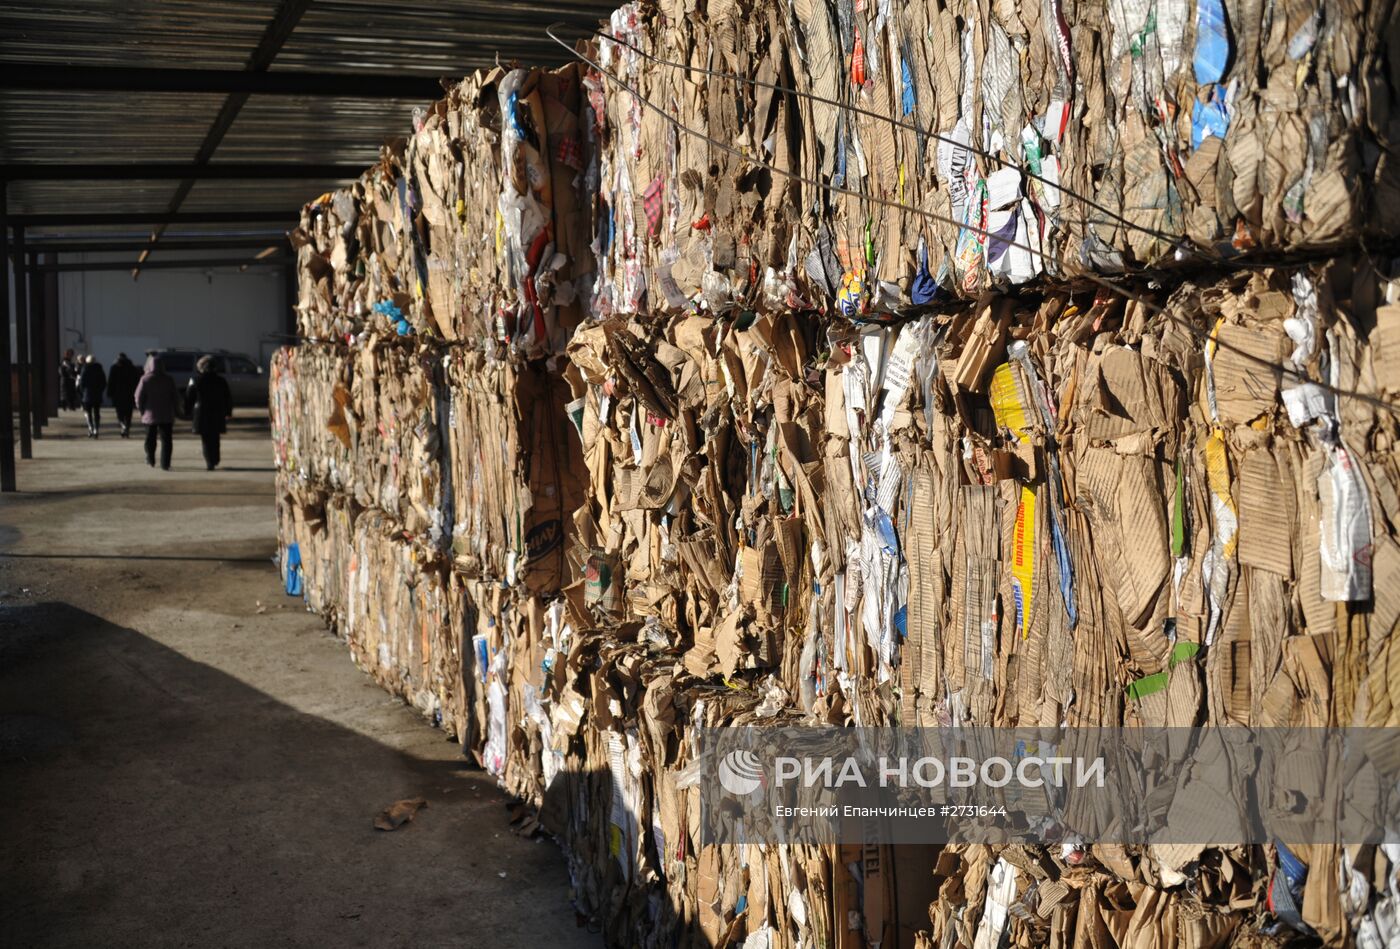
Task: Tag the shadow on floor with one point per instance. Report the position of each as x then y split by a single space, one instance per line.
178 558
154 800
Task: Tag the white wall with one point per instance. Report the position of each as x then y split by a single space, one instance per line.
183 309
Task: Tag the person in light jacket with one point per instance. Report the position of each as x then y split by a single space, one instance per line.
209 404
92 383
155 400
122 379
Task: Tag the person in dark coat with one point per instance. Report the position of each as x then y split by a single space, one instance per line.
92 383
68 381
155 400
209 404
122 379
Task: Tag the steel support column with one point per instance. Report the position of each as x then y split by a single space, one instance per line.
23 360
48 302
7 412
39 362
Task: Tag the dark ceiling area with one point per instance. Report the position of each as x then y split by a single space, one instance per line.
184 119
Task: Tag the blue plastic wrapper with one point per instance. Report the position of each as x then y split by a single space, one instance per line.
838 179
906 100
1286 888
293 570
889 540
483 657
513 115
1293 868
1066 571
1212 42
388 309
1209 118
924 287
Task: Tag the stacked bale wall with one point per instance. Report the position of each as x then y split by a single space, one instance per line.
600 433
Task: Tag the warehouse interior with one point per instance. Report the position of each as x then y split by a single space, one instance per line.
783 473
154 159
188 759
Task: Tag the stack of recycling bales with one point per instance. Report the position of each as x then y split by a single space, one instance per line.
882 159
424 464
1056 510
789 455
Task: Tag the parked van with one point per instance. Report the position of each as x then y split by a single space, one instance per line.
245 378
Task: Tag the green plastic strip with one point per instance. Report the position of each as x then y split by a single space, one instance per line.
1149 685
1179 513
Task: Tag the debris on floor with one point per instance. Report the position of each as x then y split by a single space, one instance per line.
399 813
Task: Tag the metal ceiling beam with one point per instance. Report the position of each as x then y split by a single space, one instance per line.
175 171
203 264
279 30
84 218
136 234
69 246
121 79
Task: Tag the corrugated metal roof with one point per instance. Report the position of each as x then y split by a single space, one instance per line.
260 194
315 129
136 232
107 197
37 126
200 34
438 38
447 38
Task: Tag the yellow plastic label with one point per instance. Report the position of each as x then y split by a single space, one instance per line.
1222 504
1008 403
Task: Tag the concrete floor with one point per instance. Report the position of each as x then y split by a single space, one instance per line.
187 758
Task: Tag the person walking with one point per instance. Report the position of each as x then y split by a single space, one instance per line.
68 381
122 380
209 404
92 383
155 400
